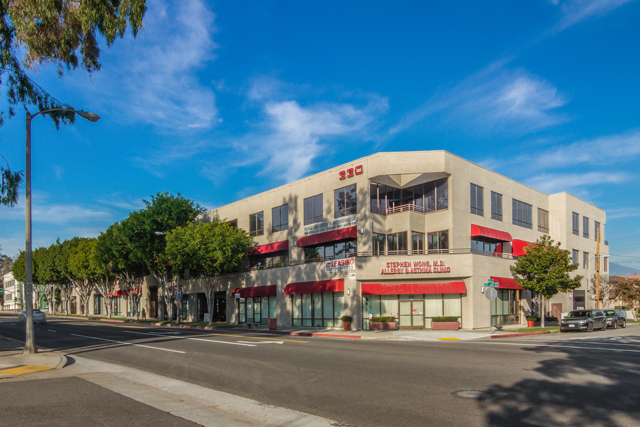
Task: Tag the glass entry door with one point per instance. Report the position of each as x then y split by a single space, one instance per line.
411 314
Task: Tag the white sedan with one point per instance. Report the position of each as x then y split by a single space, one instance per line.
38 316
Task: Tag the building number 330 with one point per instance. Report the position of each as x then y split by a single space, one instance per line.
350 173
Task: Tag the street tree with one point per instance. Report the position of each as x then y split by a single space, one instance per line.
80 268
545 270
605 288
105 266
63 33
627 291
146 231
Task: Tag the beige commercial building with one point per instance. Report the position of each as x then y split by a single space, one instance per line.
414 235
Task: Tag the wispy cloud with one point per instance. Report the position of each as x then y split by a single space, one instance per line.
289 130
576 11
154 78
495 98
156 161
552 183
624 212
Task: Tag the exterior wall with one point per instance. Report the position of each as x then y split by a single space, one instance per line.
15 289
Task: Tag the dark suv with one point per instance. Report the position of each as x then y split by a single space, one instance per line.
615 318
584 320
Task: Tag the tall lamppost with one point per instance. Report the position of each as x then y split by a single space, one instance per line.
29 344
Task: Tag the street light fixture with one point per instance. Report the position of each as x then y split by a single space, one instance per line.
29 344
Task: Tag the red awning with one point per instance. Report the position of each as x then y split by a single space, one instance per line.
518 247
478 230
507 283
271 247
256 291
315 287
329 236
413 288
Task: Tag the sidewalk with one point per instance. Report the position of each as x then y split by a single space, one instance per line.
13 363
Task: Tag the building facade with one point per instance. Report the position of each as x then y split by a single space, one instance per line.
13 293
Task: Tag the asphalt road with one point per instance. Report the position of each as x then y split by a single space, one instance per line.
571 379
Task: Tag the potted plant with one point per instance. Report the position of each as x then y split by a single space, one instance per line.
382 323
346 322
446 322
531 320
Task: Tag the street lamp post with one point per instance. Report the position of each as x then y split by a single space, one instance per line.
29 344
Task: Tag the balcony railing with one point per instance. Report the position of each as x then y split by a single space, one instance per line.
402 208
435 252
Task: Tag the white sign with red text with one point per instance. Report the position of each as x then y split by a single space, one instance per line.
340 265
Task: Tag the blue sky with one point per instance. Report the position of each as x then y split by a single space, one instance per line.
222 100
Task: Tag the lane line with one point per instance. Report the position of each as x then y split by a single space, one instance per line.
590 343
128 343
187 338
222 335
557 346
264 342
51 330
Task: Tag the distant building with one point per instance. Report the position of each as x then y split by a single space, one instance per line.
13 293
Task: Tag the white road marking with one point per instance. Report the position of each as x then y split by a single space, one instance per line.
186 338
558 346
262 342
51 330
128 343
593 343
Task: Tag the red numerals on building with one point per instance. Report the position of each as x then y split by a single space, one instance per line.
350 173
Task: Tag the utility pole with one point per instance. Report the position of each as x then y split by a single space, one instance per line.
598 268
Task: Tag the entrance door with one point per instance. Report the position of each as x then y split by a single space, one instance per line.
556 311
411 314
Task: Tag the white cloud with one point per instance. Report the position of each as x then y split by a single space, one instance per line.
552 183
292 131
495 98
576 11
153 79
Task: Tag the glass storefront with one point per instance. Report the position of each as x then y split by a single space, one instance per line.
257 309
412 311
505 309
321 309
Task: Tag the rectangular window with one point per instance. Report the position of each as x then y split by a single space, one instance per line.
378 244
442 194
486 246
280 218
397 242
477 206
320 309
329 251
585 227
346 200
596 227
521 214
313 209
585 260
421 198
417 243
256 224
575 223
272 260
438 242
606 264
543 221
496 206
574 256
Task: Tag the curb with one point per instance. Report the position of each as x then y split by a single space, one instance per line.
522 334
63 358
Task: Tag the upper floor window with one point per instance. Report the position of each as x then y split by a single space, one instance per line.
496 206
272 260
256 224
543 221
389 243
418 243
575 223
606 264
574 256
585 260
486 246
280 218
476 200
596 228
313 209
423 198
233 223
346 201
438 240
521 214
329 251
585 227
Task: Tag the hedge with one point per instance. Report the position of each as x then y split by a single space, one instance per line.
444 319
383 319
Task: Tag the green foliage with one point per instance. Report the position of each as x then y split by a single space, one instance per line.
551 319
9 182
627 291
81 265
532 318
383 319
347 319
444 319
545 269
18 268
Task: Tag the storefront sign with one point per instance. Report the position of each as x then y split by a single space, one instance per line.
340 265
321 227
415 267
352 276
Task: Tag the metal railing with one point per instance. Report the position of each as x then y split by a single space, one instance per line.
402 208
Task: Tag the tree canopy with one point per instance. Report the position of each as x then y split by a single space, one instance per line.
65 33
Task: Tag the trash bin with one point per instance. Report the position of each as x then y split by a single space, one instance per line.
273 323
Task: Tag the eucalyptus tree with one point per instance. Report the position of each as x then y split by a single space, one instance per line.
211 249
146 231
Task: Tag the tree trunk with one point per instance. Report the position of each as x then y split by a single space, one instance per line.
543 311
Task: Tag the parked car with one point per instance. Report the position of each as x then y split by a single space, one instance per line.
38 316
584 320
615 318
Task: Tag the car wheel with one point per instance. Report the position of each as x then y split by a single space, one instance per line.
590 327
615 325
604 326
624 324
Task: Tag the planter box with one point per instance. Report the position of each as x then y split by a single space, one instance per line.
445 325
273 324
382 326
346 326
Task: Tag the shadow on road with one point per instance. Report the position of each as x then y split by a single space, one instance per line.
579 387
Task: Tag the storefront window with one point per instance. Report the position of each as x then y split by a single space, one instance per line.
242 314
321 309
435 305
257 309
329 251
505 309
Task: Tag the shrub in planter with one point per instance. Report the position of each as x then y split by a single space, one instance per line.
445 322
550 319
382 323
532 318
346 322
383 319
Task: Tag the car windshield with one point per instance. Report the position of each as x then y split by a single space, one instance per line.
580 314
610 313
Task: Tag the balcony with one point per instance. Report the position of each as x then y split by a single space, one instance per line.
402 208
462 251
